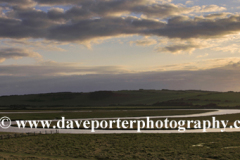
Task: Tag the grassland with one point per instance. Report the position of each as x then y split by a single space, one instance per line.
147 98
207 146
99 114
126 146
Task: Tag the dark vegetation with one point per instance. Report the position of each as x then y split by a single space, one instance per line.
208 146
124 99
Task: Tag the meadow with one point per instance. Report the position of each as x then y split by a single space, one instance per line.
206 146
99 114
102 104
148 99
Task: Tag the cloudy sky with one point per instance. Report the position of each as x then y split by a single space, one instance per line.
89 45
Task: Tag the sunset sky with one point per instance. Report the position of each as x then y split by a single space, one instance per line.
90 45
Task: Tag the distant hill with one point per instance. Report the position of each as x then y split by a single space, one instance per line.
124 98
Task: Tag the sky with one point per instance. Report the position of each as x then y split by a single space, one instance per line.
90 45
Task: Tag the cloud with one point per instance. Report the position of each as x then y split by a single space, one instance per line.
189 2
212 8
90 20
16 53
18 3
204 55
14 28
26 23
218 15
144 42
61 2
152 8
223 78
178 48
177 27
41 44
100 28
50 68
79 31
11 2
185 27
197 65
87 8
231 48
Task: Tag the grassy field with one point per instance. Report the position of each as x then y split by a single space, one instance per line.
207 146
98 98
147 98
88 108
100 114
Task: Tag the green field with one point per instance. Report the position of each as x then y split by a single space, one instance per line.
99 114
147 98
207 146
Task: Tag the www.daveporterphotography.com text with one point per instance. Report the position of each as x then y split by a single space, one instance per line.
138 124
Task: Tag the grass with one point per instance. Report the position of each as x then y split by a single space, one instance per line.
206 146
125 146
97 98
5 133
119 98
99 114
67 108
20 156
40 109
